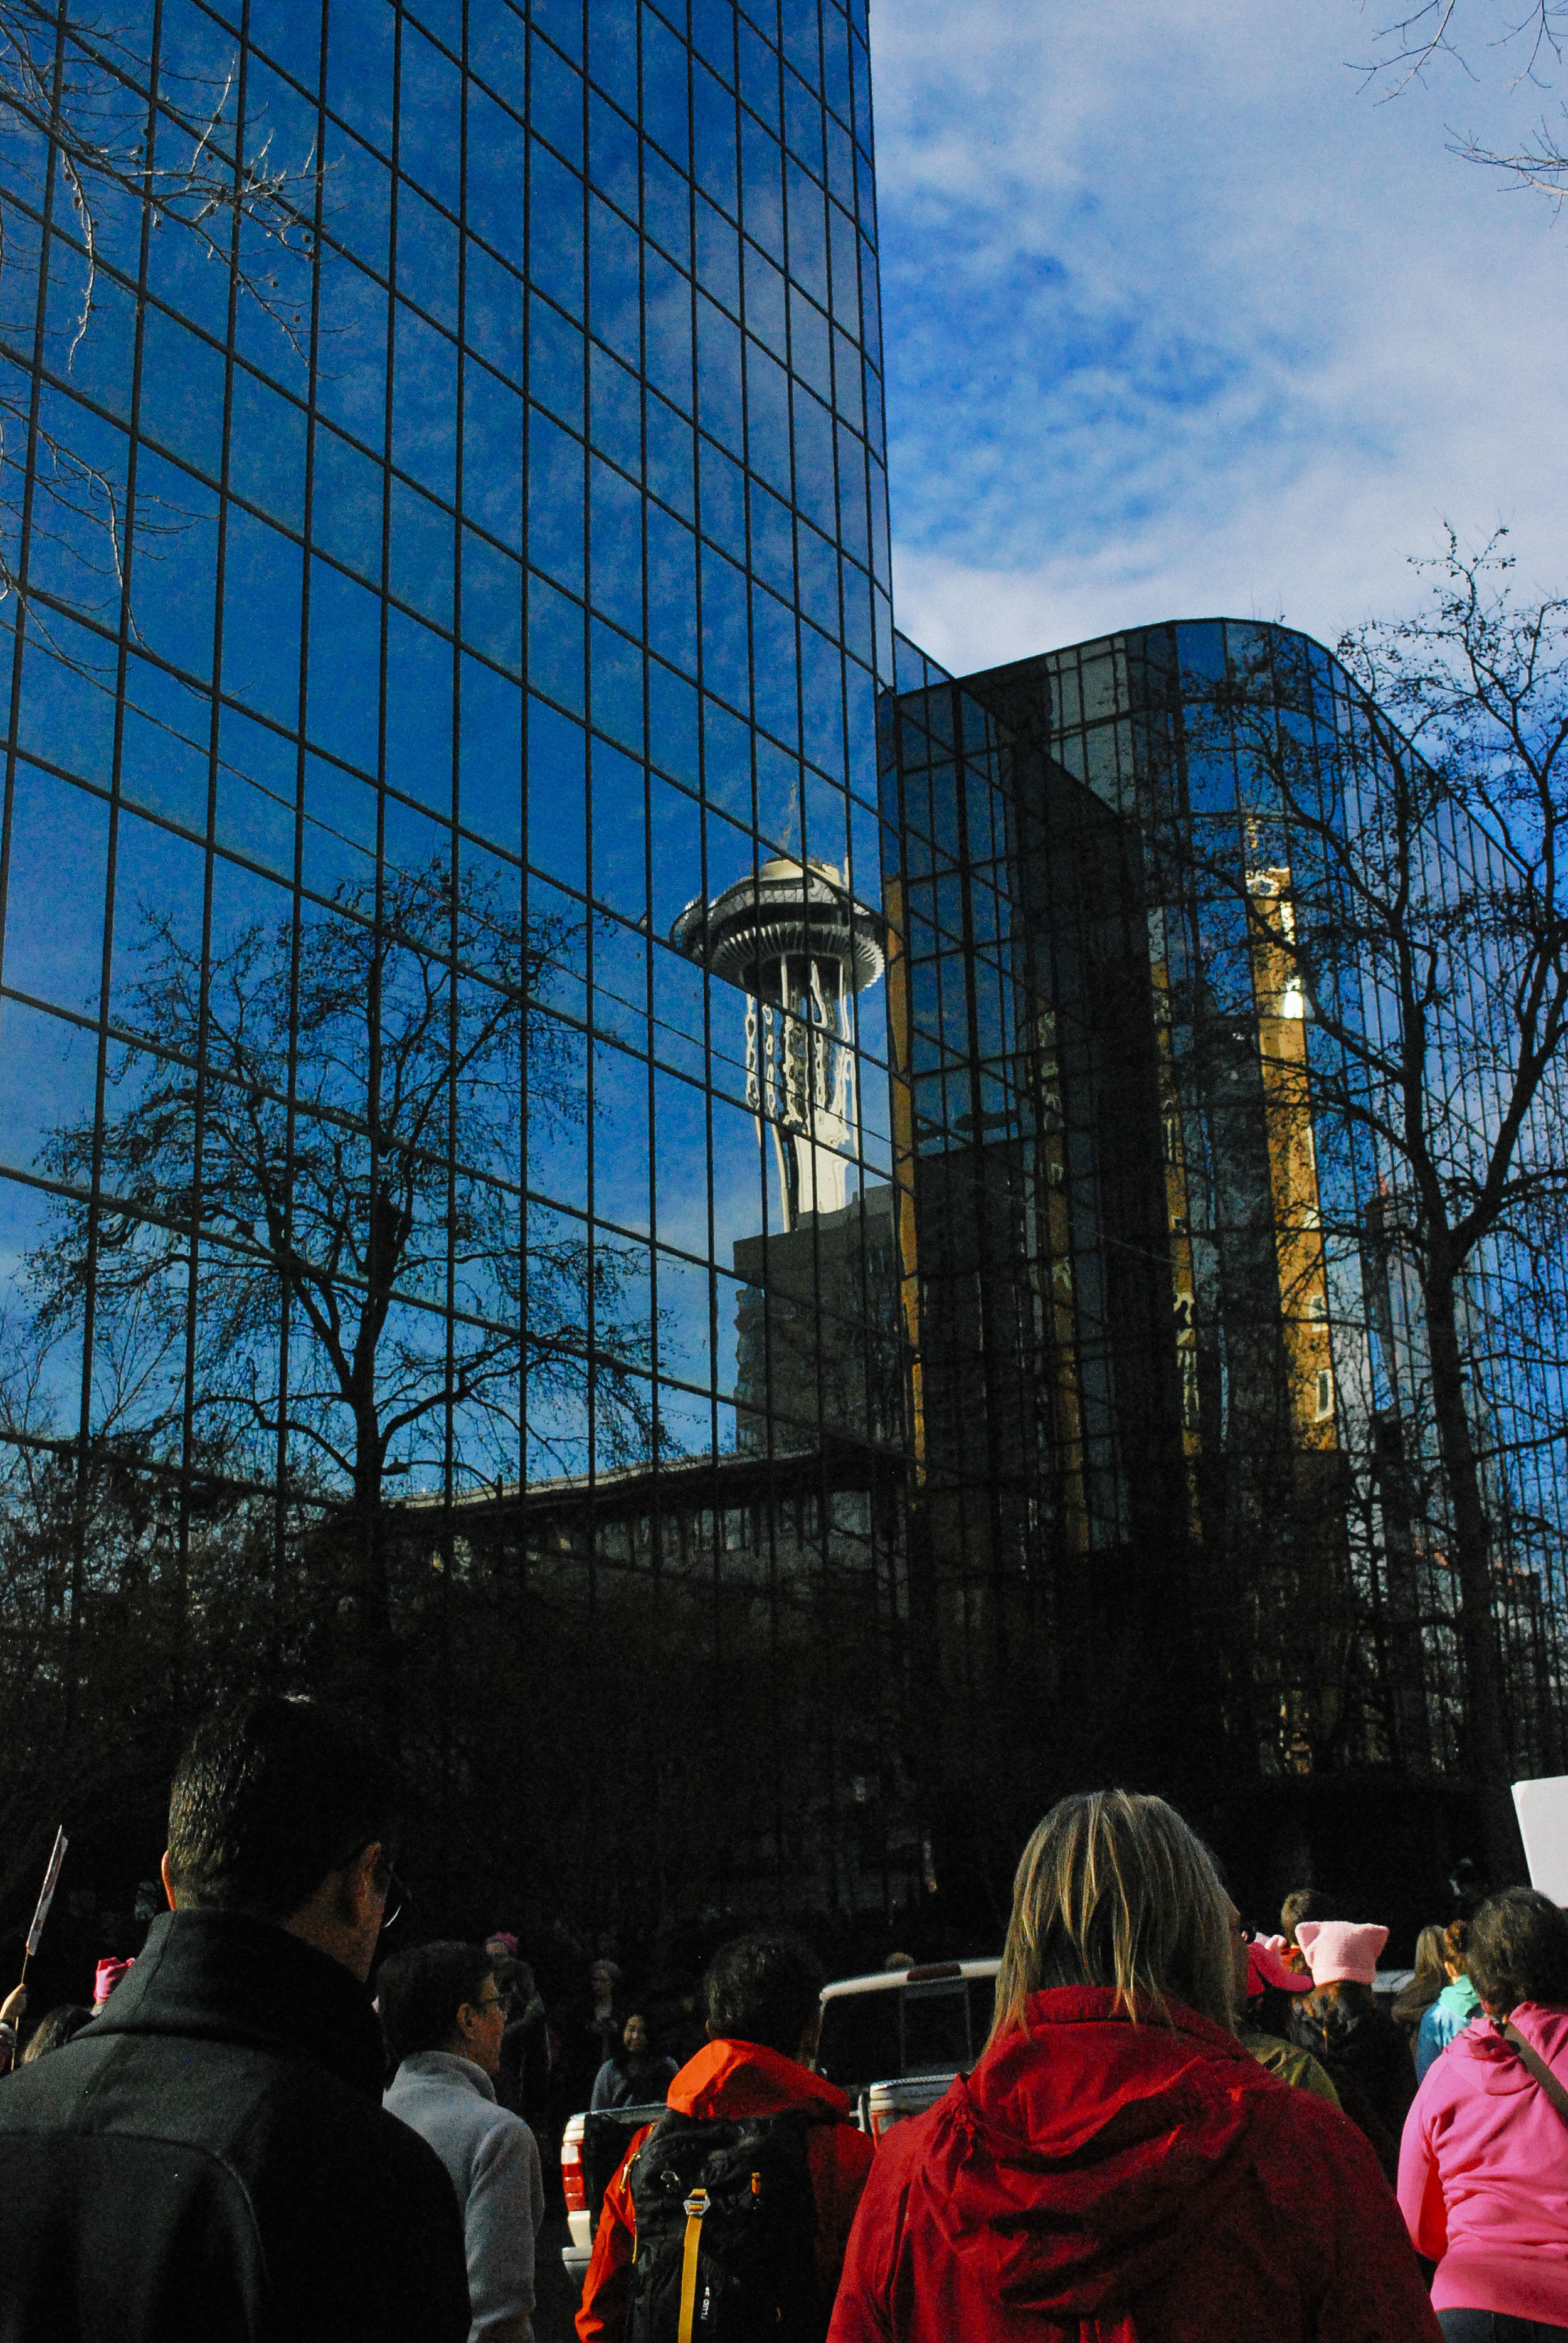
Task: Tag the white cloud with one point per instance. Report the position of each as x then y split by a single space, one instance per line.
1180 320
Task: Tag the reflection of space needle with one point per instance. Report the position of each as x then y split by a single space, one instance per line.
800 946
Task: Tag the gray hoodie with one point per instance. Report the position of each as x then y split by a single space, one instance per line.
494 2161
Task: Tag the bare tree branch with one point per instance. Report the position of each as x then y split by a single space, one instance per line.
81 105
1532 30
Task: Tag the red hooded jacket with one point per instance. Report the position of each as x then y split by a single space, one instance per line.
1111 2183
733 2080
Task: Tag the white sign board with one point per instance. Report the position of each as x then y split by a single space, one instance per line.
1542 1810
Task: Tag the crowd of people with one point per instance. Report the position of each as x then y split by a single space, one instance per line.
270 2126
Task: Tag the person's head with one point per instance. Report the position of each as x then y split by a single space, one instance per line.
53 2032
1114 1889
1262 1974
1455 1949
1518 1951
1306 1903
1430 1966
766 1990
286 1810
442 1996
636 2039
1341 1954
506 1972
502 1944
605 1980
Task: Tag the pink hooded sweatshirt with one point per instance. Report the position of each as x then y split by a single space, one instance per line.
1482 2169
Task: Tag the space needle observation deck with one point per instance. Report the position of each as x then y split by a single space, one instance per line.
794 940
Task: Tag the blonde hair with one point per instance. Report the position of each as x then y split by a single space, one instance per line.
1114 1889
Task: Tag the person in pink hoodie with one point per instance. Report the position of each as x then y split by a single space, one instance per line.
1483 2161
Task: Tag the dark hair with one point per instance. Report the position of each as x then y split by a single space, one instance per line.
1327 2020
1307 1903
1456 1942
1518 1951
420 1992
271 1798
764 1989
1338 2003
55 2029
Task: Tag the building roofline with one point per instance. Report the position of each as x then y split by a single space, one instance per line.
736 1476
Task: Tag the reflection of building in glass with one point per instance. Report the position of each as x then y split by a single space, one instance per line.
817 1314
499 559
1172 1418
712 1791
801 948
500 550
819 1338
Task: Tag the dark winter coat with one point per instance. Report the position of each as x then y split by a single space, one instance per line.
1369 2063
209 2162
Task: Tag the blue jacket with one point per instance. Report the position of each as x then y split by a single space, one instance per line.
1448 2015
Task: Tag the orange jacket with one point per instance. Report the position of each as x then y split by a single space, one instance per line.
733 2080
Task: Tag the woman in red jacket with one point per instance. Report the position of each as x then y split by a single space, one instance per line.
1117 2169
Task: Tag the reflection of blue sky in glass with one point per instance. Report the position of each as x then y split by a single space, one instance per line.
559 570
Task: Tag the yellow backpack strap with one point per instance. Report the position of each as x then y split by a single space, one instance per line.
695 2207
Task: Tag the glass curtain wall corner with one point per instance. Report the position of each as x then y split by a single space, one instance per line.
1178 1504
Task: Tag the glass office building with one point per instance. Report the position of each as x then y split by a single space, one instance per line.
1180 1509
581 1162
446 524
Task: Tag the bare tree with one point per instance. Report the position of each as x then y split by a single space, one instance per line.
305 1215
1529 37
1374 900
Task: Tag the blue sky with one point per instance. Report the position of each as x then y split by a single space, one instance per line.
1179 319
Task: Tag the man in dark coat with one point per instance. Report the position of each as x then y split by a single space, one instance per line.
210 2159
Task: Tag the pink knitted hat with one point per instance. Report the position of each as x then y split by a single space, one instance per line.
1264 1967
1341 1951
105 1978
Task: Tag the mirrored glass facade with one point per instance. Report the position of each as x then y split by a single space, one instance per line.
582 1162
446 523
1180 1511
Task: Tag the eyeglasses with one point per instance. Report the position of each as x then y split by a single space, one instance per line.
396 1896
501 2001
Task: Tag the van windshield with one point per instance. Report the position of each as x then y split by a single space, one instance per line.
936 2029
859 2040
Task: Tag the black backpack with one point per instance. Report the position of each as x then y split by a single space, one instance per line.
726 2234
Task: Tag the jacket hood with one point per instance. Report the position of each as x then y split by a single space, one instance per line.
737 2079
1495 2066
1460 1999
1085 2154
444 2067
223 1976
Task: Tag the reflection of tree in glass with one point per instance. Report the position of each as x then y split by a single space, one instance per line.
361 1282
73 99
1402 910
